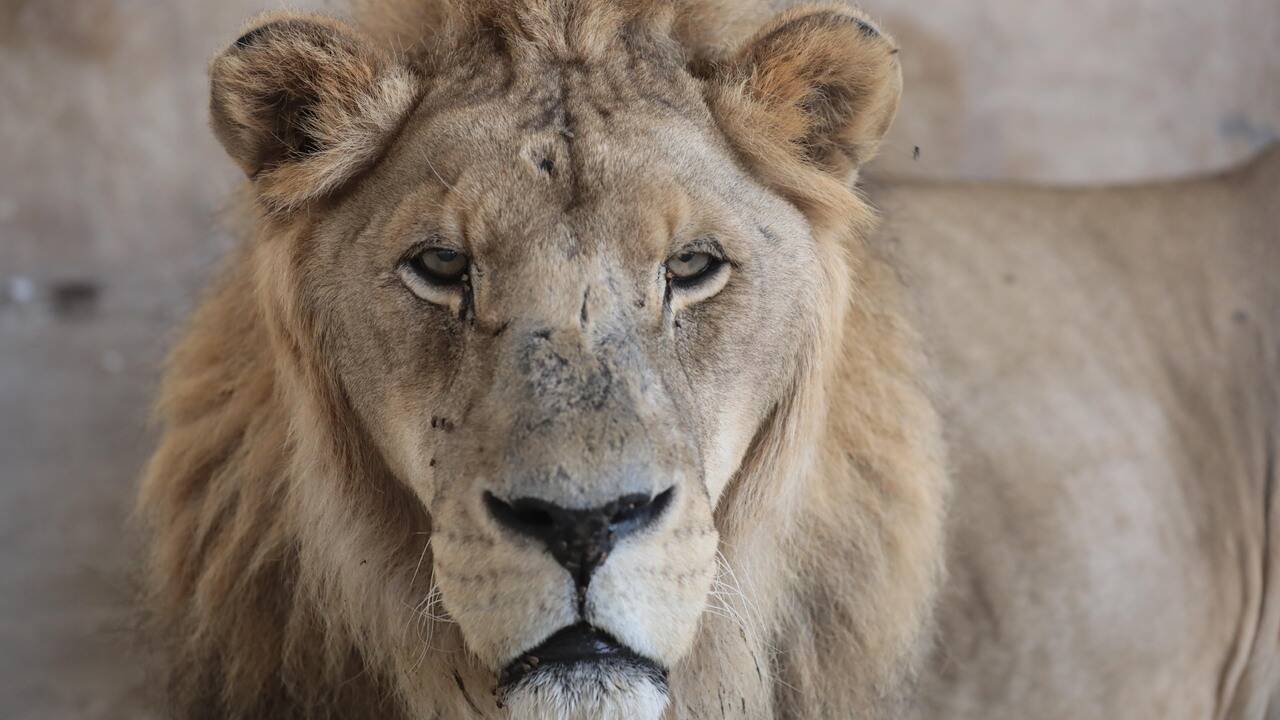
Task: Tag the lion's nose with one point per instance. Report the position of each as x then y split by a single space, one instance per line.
580 540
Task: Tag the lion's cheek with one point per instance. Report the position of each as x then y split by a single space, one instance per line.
410 456
735 427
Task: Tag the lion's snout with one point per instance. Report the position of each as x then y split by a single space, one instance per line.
579 540
571 496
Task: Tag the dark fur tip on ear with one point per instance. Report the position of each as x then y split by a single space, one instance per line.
303 103
252 36
829 83
867 28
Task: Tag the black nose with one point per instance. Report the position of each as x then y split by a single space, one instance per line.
580 540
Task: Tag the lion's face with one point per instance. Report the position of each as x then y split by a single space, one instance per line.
561 306
541 304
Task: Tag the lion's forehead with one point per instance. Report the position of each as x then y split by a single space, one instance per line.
564 175
598 113
555 173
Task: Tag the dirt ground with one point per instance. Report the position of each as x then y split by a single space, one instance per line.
109 200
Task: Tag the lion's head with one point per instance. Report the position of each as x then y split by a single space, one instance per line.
544 313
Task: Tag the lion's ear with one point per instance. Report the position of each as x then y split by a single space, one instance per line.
304 103
823 82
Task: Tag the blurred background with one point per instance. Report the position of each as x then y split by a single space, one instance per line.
111 187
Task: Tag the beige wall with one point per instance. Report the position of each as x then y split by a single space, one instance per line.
1083 91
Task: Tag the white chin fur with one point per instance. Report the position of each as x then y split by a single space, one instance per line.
587 693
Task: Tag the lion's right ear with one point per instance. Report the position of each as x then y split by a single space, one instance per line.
304 103
808 99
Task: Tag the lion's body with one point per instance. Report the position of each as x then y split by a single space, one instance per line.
1109 372
320 544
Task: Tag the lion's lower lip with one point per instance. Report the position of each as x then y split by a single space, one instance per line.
573 645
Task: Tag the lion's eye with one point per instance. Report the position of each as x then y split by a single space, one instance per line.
436 274
694 275
441 265
689 265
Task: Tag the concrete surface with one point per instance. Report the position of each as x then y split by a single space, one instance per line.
111 184
109 200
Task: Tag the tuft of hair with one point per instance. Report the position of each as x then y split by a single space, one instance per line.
701 29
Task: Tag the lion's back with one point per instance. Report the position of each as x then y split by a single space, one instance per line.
1108 372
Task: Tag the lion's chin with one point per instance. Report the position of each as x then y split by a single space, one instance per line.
606 691
583 673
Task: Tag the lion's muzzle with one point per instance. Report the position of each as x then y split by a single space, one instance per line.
573 537
579 539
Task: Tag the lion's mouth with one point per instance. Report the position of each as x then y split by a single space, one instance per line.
577 646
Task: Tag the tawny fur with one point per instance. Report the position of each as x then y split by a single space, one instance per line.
291 572
324 126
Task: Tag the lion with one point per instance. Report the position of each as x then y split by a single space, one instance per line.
561 373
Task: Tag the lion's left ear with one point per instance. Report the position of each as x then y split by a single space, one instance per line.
821 82
303 103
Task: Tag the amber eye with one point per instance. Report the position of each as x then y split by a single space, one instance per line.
441 265
436 274
690 266
694 274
